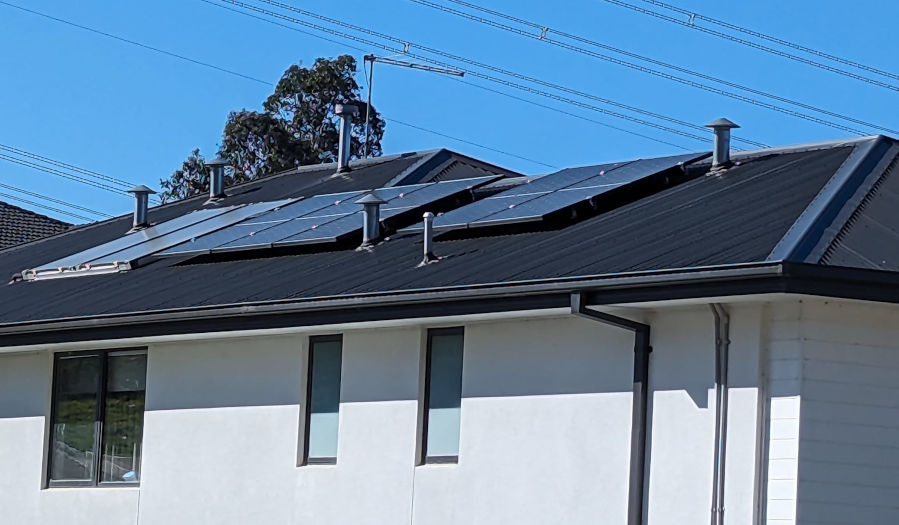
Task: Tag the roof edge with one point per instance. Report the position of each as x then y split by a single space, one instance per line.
610 289
868 158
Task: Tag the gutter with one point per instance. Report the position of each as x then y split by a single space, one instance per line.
639 421
635 287
722 350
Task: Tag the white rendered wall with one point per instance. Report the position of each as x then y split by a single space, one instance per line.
545 436
545 430
849 432
24 406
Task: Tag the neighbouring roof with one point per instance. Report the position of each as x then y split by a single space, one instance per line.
18 225
824 204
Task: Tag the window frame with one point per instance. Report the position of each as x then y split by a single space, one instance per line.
424 458
307 398
99 416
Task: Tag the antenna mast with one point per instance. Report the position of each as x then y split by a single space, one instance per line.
371 59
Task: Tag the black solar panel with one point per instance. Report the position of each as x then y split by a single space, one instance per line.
321 218
554 192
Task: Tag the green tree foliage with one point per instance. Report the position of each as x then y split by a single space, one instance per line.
296 127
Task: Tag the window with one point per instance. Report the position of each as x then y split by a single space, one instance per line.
97 418
442 395
322 400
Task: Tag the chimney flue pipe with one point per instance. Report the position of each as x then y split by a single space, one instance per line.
141 205
371 213
346 113
721 151
217 178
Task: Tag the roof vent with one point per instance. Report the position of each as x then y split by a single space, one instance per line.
429 256
371 213
217 178
141 203
721 153
346 113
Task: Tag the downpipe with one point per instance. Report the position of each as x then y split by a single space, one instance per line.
639 424
722 349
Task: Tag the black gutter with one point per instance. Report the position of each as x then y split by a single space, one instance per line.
730 280
639 421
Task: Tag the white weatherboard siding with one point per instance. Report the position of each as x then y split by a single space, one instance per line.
784 365
849 433
24 404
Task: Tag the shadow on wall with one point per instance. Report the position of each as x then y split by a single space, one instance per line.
241 372
24 385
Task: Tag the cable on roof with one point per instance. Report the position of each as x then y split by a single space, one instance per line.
55 201
736 96
774 39
755 45
477 73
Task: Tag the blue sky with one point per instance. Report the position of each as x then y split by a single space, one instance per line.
134 114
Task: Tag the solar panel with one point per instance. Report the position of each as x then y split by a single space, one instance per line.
119 254
320 218
554 192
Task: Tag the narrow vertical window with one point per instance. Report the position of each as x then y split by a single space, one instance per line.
97 418
323 399
443 395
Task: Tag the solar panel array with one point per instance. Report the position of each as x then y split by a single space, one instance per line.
539 197
120 253
320 218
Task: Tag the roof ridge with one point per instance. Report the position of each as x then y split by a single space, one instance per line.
817 226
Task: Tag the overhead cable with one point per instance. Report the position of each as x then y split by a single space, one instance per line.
45 207
786 43
543 36
479 86
55 201
406 50
755 45
63 174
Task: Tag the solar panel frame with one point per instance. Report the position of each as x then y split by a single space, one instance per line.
332 222
542 196
131 239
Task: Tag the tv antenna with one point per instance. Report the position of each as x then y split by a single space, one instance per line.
371 59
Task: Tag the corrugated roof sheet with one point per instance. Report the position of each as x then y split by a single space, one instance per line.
737 216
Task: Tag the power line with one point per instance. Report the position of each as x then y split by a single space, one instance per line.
543 37
63 174
496 91
575 115
478 74
48 160
55 201
395 121
755 45
45 207
134 43
774 39
211 66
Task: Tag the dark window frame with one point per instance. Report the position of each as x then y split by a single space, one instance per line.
99 416
424 458
307 397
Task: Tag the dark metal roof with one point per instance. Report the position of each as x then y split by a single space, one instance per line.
18 225
737 217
